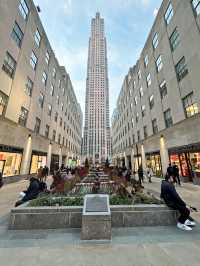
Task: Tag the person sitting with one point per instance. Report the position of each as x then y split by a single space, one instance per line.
174 201
32 192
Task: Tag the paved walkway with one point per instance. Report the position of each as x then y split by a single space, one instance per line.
141 246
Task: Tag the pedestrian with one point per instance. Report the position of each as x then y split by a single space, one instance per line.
40 173
174 201
149 173
170 171
140 174
176 173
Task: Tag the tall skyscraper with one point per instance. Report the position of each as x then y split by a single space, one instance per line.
96 141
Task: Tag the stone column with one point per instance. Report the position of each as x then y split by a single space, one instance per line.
49 155
143 158
164 155
26 159
60 157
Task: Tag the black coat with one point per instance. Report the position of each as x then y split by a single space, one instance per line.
170 171
33 189
170 196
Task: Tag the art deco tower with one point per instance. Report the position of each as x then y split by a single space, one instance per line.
96 141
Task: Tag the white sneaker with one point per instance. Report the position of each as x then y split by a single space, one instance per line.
184 227
189 223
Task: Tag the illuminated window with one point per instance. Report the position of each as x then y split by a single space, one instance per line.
189 105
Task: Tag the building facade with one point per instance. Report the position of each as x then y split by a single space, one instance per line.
96 141
157 118
40 118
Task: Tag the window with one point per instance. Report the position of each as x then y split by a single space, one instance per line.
139 75
52 90
23 8
46 131
62 106
9 65
135 100
163 89
181 69
59 138
146 60
47 57
29 87
138 135
33 60
58 99
17 34
60 121
23 117
148 80
56 117
37 38
189 105
159 63
54 73
141 92
49 109
174 39
151 101
37 125
44 78
169 13
168 118
41 100
196 6
3 102
154 126
155 40
145 132
143 110
54 135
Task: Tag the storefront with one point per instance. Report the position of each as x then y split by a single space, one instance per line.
153 160
38 159
54 163
10 160
188 160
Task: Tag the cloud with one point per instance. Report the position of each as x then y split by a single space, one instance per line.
155 12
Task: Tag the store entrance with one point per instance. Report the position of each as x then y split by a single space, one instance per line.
182 160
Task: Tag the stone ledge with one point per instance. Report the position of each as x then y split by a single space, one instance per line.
27 218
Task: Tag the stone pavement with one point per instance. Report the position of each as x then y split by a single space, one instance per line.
141 246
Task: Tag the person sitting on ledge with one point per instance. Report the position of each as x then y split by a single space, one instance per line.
174 201
32 192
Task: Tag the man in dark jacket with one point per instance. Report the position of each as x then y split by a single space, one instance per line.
176 173
173 200
170 171
140 174
32 191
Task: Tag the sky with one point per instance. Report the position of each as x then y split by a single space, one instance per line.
127 25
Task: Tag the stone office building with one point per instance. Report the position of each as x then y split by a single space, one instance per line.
40 118
157 118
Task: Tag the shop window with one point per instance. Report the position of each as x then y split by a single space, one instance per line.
17 35
181 69
154 126
3 102
23 8
169 13
189 105
168 118
9 65
23 117
37 161
29 87
12 162
47 131
196 6
174 39
37 125
163 89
